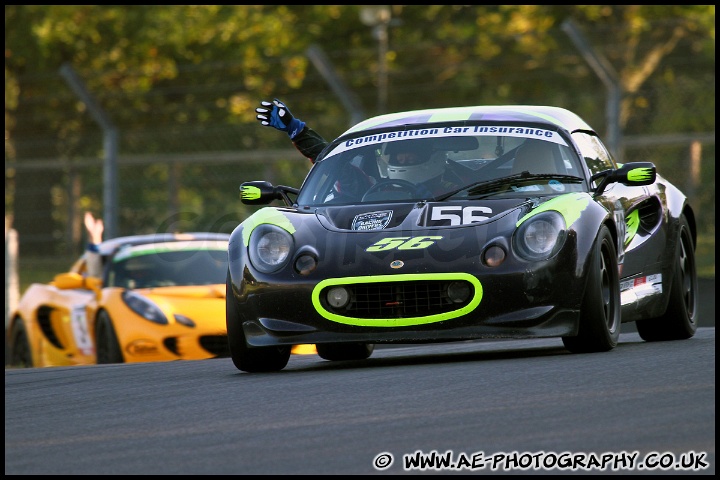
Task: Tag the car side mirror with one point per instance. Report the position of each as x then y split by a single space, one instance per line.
72 280
260 192
633 174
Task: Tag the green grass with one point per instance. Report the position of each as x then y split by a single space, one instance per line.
705 256
41 270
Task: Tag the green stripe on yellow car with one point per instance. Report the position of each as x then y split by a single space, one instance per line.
397 322
267 215
181 246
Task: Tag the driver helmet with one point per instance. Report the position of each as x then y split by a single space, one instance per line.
413 161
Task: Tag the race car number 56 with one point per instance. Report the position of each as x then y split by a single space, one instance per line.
403 243
469 214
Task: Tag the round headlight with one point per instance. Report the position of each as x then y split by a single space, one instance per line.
270 248
541 236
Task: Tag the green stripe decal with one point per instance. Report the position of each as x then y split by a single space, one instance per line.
570 206
543 116
375 121
632 222
397 322
179 246
267 215
250 192
639 174
451 115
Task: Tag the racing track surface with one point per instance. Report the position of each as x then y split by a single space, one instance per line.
319 417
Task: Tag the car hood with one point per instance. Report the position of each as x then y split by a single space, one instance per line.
421 214
188 292
204 304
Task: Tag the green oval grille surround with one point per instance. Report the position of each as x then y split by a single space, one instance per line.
407 295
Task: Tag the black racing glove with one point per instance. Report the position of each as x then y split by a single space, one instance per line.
277 115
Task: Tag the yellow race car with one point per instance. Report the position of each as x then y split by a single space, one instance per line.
161 297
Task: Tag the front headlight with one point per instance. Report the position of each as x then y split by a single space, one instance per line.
541 236
144 307
270 248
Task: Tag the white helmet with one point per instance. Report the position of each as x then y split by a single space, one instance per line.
422 166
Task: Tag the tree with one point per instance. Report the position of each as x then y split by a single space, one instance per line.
186 78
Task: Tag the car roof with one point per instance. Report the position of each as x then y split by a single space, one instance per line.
537 114
108 247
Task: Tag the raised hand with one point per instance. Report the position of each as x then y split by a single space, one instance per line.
276 114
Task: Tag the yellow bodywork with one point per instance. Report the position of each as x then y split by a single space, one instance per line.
60 322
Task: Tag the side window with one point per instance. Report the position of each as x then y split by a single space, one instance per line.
596 156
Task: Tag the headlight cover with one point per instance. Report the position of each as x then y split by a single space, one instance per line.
270 248
541 236
144 307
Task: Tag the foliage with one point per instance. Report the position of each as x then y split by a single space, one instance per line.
183 81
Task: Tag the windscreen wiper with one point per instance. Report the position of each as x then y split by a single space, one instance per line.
486 186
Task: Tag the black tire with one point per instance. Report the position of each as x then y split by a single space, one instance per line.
600 312
679 322
245 358
107 346
345 351
20 355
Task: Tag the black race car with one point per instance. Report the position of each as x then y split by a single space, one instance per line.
457 224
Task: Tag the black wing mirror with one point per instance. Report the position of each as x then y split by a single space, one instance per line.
260 192
630 174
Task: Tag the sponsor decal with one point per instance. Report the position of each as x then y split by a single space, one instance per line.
557 186
638 288
81 333
651 282
528 188
437 132
372 220
397 264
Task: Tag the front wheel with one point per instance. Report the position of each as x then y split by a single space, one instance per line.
600 312
245 358
106 342
345 351
679 321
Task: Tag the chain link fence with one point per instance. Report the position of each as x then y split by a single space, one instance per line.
176 173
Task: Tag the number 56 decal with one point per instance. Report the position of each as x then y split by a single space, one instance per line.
453 213
402 243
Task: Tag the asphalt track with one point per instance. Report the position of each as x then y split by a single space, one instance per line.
490 398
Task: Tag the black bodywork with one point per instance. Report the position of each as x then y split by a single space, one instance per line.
454 266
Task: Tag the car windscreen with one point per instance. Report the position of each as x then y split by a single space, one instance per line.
169 264
432 163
